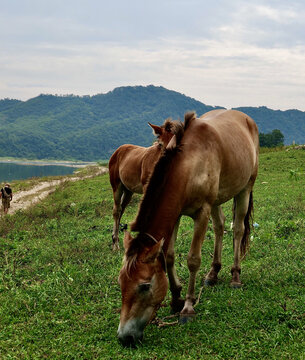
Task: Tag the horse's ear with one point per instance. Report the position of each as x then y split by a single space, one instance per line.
127 240
157 130
154 252
172 144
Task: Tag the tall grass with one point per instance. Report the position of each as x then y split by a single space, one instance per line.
60 298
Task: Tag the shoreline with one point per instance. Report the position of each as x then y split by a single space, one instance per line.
73 164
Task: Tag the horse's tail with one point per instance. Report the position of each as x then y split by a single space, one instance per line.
248 223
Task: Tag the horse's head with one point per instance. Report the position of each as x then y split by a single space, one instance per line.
143 285
165 132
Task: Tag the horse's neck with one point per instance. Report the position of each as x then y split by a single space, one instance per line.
153 151
150 157
163 221
163 202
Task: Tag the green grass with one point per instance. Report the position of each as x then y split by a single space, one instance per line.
60 298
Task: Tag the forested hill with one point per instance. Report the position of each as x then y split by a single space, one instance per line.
290 122
92 127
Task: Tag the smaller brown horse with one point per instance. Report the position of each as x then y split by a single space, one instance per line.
212 160
130 167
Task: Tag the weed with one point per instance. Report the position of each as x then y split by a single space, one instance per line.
286 228
294 174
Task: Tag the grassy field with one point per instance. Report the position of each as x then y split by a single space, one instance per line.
60 298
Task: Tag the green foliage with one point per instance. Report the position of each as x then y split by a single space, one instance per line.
290 122
273 139
89 127
60 298
8 103
92 127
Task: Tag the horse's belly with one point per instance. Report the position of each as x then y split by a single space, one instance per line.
134 187
132 182
227 190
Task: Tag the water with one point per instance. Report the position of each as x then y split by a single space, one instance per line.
13 171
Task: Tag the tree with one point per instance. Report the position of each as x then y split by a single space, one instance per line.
273 139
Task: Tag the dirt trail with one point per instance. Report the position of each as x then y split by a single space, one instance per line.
24 199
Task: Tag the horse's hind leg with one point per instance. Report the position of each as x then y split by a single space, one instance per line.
121 197
241 228
125 200
218 225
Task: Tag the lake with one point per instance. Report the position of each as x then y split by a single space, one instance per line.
12 171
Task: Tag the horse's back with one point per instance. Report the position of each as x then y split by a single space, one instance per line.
120 153
126 166
226 121
234 131
224 144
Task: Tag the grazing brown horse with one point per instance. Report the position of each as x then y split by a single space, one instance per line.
130 167
212 159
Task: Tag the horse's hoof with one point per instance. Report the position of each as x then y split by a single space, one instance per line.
177 305
185 318
236 285
210 282
123 227
115 248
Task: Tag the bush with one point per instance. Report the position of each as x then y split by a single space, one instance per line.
273 139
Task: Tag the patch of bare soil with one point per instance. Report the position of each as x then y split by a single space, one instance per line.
24 199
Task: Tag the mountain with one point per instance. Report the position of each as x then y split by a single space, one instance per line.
290 122
92 127
8 103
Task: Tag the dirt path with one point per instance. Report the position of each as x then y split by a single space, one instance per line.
24 199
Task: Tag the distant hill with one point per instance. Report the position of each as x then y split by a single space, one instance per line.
290 122
92 127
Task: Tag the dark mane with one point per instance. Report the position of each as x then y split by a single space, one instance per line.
137 244
176 127
135 247
171 126
168 124
153 191
159 177
188 118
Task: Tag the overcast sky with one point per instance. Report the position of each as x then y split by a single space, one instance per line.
221 52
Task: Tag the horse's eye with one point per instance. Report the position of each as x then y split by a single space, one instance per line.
144 287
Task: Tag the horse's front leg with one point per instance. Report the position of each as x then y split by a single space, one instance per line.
174 283
194 260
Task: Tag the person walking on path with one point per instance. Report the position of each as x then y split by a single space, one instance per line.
7 195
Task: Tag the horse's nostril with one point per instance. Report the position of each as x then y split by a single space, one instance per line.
128 340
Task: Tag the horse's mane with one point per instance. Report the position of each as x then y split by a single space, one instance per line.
160 174
153 192
173 126
136 245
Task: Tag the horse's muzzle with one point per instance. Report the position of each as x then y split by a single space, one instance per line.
130 335
130 340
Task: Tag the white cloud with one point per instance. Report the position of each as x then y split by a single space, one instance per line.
231 53
279 15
